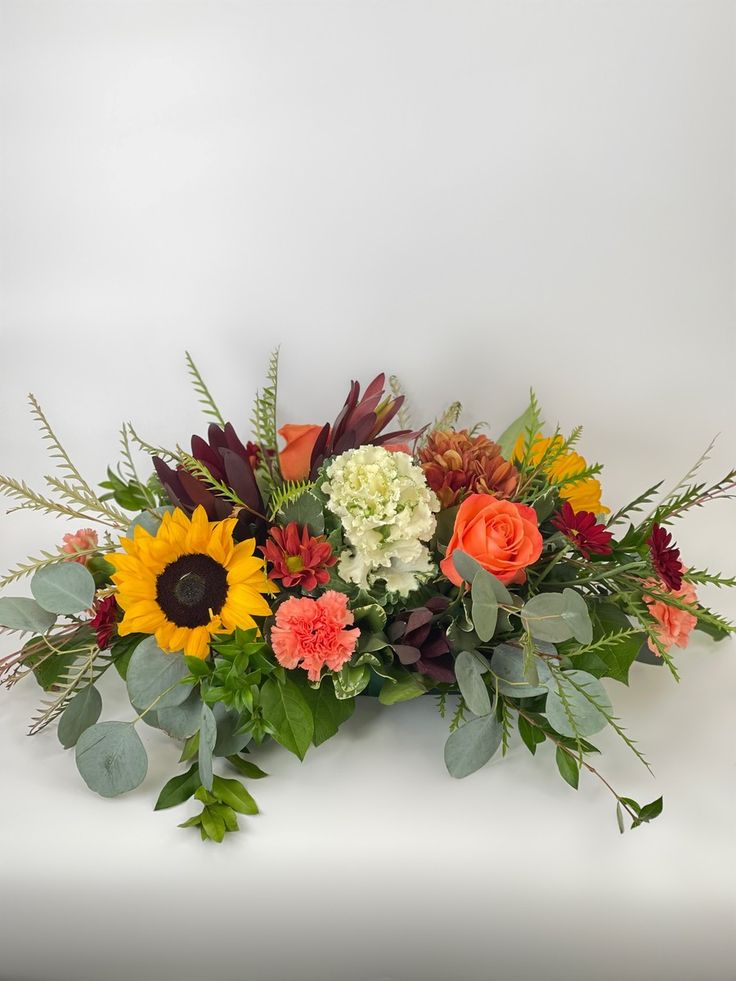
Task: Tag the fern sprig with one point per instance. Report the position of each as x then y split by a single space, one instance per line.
287 493
84 671
55 449
710 578
33 500
264 422
33 563
149 448
209 406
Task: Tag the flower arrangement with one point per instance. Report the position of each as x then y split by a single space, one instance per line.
246 591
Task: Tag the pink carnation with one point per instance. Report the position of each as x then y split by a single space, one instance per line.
312 633
79 541
674 626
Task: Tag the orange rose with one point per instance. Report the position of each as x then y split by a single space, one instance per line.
296 457
501 535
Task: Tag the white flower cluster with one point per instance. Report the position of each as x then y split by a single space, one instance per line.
387 512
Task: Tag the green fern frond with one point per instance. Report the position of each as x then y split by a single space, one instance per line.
55 449
209 406
605 642
636 505
264 422
79 497
82 672
149 448
32 500
404 414
33 563
287 493
710 578
448 419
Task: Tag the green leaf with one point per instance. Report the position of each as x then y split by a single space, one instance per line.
121 650
350 680
213 824
207 740
568 767
179 789
531 735
649 811
472 745
111 758
586 717
25 614
611 660
329 711
485 605
247 768
234 794
507 664
81 713
230 737
528 420
576 616
285 708
181 721
407 686
66 587
372 615
151 672
149 520
469 672
445 526
620 818
542 617
305 510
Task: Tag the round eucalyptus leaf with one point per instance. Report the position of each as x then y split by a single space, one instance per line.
229 740
576 615
472 745
181 721
66 587
81 713
149 520
507 664
24 614
151 672
485 605
111 758
543 617
469 673
587 717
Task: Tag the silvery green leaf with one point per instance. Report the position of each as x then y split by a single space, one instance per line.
575 614
111 758
469 672
24 614
180 721
588 719
149 520
151 672
542 617
472 745
305 510
485 605
230 740
466 566
66 587
507 664
81 713
207 740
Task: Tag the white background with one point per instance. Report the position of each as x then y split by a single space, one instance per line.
478 197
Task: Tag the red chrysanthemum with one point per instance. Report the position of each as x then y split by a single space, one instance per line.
665 557
297 558
104 622
582 529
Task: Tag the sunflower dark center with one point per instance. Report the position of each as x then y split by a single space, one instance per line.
191 589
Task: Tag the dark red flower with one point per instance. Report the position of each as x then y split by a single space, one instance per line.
297 558
105 620
665 557
581 528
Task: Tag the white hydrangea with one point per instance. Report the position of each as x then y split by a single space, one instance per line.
387 512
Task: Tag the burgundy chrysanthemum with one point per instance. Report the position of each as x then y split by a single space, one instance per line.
105 620
582 529
297 558
665 557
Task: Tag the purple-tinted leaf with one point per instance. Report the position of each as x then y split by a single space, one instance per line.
406 654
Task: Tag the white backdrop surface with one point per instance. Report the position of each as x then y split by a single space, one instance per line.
478 197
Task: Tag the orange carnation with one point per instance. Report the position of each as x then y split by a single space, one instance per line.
296 457
674 625
501 535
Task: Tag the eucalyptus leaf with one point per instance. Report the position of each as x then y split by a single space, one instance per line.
507 664
111 758
230 738
25 614
485 605
469 672
65 587
576 616
150 521
587 718
542 617
472 745
81 713
152 672
180 721
207 740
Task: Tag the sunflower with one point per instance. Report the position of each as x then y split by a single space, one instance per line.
189 581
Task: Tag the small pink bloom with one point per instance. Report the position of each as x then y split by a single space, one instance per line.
674 625
79 541
312 633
